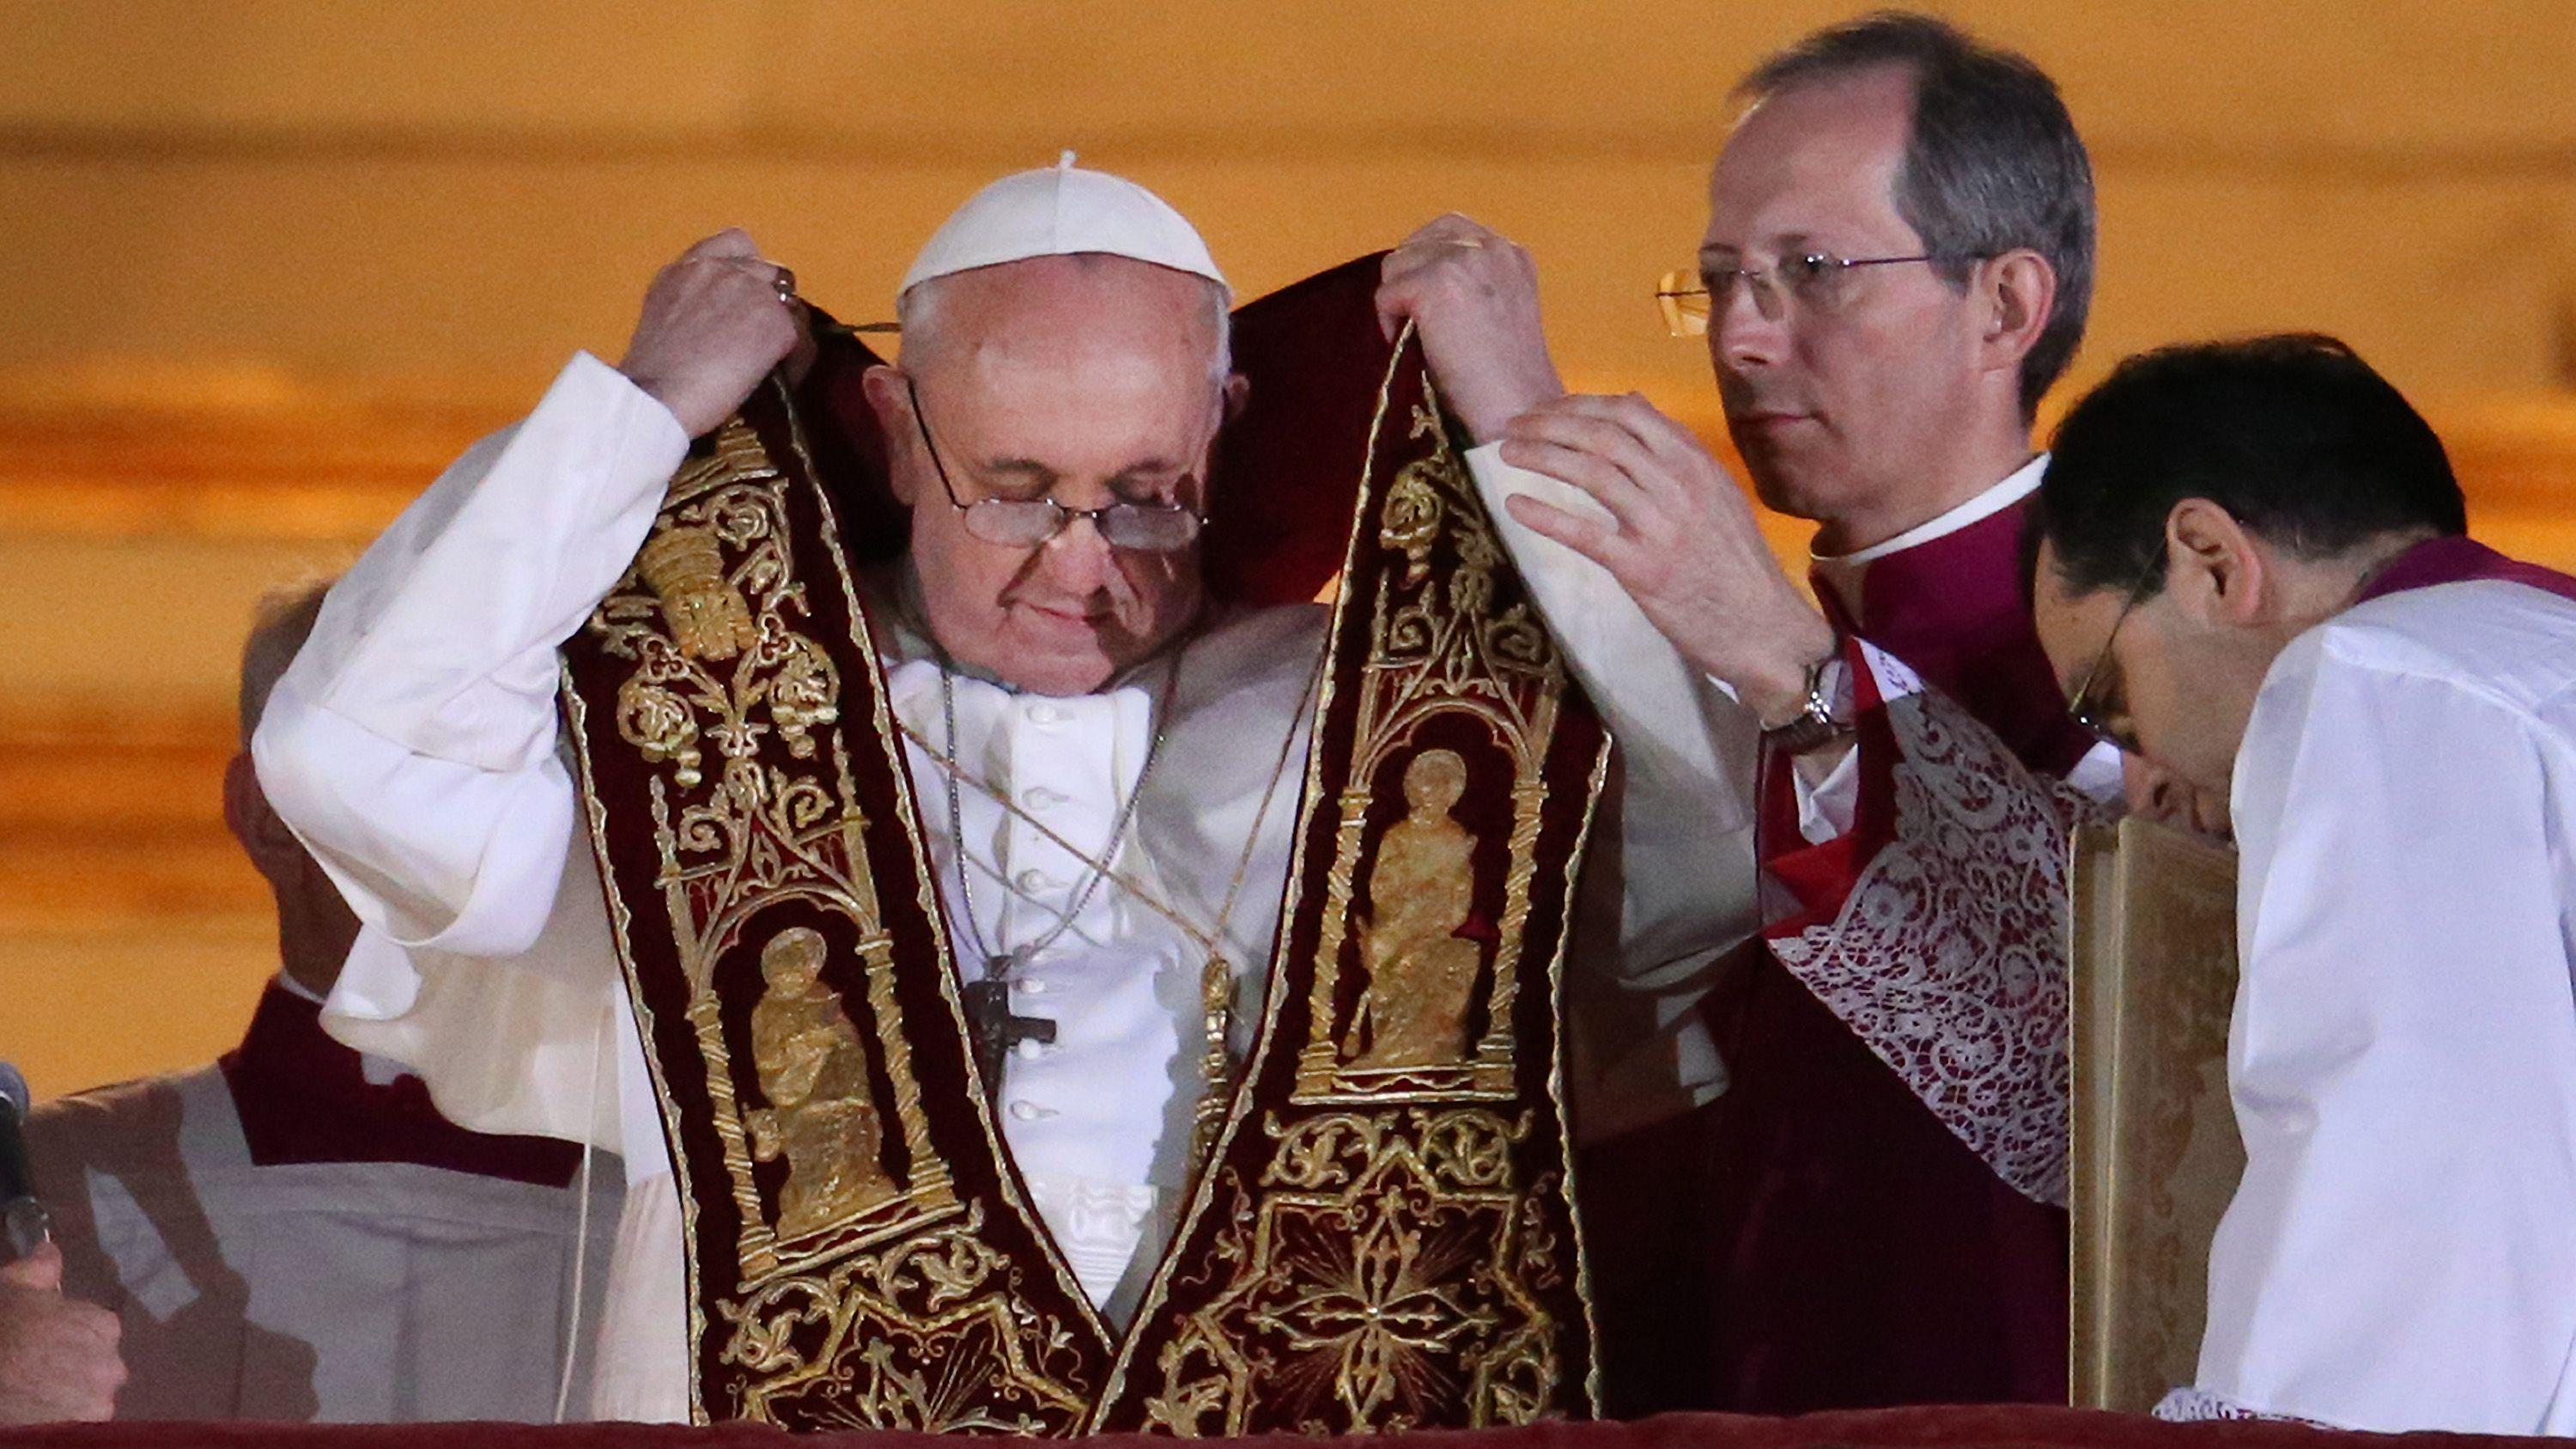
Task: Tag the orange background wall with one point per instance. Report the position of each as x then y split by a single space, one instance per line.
269 263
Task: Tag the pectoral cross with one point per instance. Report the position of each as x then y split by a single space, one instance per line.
997 1029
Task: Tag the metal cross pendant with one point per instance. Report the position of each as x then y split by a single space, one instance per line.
997 1029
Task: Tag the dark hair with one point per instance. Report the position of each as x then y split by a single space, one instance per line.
2292 434
1992 162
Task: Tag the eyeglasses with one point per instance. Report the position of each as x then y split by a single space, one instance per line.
2096 715
1028 522
1688 296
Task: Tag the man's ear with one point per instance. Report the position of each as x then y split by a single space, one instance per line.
2217 575
1238 391
891 401
273 849
2020 292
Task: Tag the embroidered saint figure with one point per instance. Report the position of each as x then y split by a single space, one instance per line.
814 1072
1421 973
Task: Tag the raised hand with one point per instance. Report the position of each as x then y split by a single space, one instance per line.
1473 296
58 1357
1679 537
714 323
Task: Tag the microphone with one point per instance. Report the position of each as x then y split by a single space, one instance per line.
24 1225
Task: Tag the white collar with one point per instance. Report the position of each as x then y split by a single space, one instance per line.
1844 570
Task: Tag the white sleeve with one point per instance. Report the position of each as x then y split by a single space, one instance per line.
412 743
2402 1251
1687 751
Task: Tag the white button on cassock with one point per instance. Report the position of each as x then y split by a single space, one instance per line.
1039 797
1033 879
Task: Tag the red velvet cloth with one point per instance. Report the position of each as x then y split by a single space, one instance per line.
304 1097
1981 1427
1957 611
2459 560
1857 1254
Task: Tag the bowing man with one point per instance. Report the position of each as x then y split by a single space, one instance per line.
2253 568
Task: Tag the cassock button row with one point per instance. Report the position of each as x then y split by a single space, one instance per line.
1030 1048
1042 713
1039 797
1033 988
1028 1111
1033 879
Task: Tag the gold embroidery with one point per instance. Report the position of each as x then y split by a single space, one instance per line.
708 618
1421 975
1439 651
867 1299
1393 1261
1391 1249
814 1071
1388 1275
919 1335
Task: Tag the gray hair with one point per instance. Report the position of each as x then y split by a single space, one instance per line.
279 624
916 311
1992 161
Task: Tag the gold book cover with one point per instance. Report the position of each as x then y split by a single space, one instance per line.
2156 1153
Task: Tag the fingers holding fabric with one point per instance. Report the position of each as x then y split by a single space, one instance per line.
714 322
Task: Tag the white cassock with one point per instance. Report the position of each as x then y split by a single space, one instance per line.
413 745
2402 1252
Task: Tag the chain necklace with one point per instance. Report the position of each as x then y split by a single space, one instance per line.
1216 977
988 1009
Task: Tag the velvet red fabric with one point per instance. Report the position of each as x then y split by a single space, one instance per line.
1857 1253
304 1097
2459 560
1979 1427
1957 611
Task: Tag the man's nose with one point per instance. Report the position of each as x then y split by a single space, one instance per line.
1748 326
1078 558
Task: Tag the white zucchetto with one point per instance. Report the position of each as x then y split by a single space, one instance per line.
1062 210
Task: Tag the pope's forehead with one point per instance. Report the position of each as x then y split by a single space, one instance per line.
1052 287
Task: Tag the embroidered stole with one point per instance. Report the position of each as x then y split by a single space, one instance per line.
1383 1236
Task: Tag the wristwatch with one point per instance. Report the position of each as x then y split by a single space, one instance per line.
1817 724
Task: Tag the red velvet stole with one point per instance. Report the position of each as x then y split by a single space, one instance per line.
303 1097
2458 560
1379 1241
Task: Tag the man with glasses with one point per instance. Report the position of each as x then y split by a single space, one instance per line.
1106 762
1897 266
2253 569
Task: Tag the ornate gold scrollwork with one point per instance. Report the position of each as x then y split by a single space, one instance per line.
854 1276
1392 1263
917 1334
1384 1269
1439 648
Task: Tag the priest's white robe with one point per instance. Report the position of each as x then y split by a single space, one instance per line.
2402 1251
